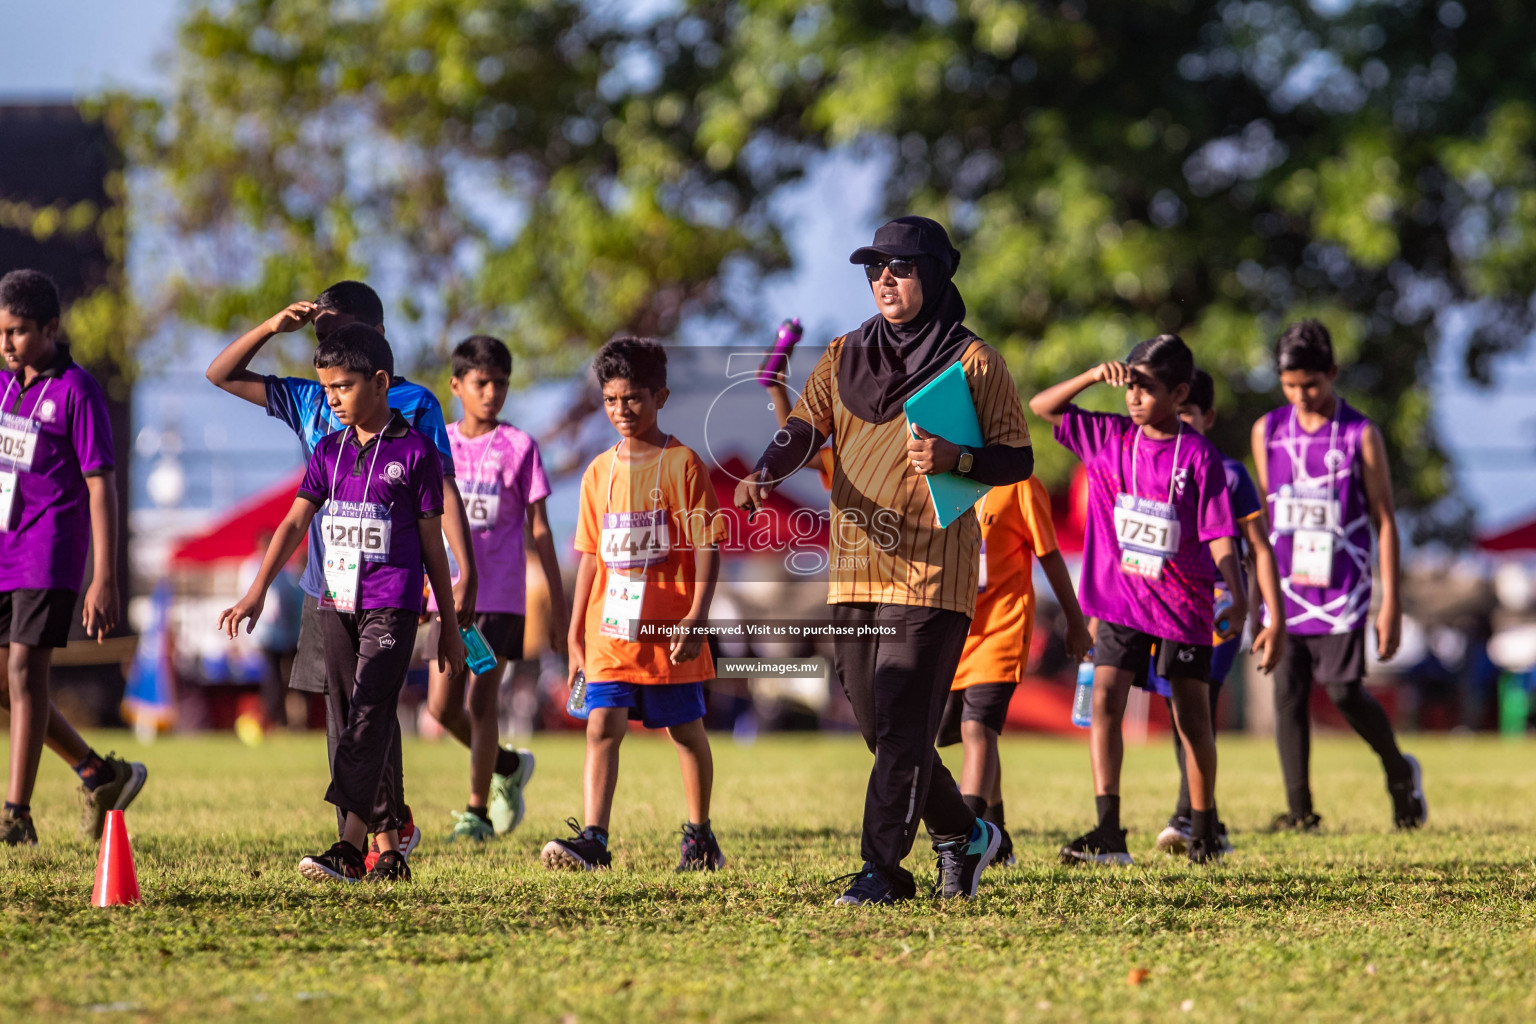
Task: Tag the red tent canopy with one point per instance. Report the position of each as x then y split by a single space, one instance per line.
1520 537
237 532
776 528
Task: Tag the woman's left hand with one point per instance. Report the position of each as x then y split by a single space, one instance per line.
930 454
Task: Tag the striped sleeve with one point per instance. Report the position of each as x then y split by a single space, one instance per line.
815 405
996 397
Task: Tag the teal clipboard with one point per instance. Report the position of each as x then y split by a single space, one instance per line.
944 407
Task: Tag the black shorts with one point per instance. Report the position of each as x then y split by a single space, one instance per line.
503 632
308 672
37 618
986 703
1325 658
1125 647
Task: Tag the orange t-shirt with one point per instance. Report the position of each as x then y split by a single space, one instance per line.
678 482
1015 523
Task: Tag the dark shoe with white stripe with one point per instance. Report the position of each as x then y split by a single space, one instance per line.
1409 808
961 862
343 862
115 794
873 887
1101 846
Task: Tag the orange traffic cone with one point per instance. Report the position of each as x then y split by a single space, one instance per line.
117 884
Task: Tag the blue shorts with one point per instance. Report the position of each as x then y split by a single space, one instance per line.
1223 656
656 705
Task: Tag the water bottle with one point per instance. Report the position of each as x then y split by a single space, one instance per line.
1082 700
777 362
477 653
576 703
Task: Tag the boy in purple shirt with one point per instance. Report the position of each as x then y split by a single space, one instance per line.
378 486
58 499
1159 527
503 482
1324 468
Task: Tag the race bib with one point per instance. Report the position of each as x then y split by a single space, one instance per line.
622 606
1312 558
360 526
482 501
634 540
7 501
18 441
1300 512
1148 534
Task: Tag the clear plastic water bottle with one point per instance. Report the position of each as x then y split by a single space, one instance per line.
1082 700
576 703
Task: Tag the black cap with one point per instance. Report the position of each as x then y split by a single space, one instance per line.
907 237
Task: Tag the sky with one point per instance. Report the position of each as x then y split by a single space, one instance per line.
125 43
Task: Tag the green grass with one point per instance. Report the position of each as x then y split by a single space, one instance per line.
1359 923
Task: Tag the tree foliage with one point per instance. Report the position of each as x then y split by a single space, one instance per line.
563 170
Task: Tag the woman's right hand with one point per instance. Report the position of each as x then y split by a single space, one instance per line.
753 491
1116 375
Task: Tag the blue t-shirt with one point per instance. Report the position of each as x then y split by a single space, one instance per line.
301 404
1245 506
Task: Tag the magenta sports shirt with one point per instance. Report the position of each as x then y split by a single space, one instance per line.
499 474
50 538
1178 605
399 473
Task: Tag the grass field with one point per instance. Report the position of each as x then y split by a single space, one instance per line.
1358 923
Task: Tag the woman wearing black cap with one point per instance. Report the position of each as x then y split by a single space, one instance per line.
893 570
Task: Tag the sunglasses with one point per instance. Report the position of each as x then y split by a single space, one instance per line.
900 268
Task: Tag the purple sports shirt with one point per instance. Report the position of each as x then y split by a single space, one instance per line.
50 538
1179 605
398 471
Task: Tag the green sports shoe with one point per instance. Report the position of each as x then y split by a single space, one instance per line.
470 827
113 795
17 830
507 794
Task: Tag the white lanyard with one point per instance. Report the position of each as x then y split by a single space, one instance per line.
655 491
478 465
6 397
1173 470
336 470
1299 464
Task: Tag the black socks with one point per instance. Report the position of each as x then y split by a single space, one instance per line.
994 814
93 771
1109 811
977 804
18 810
1203 823
696 828
507 761
479 812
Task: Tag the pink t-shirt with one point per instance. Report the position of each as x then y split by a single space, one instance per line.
499 475
1191 488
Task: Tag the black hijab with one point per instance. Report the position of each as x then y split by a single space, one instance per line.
884 364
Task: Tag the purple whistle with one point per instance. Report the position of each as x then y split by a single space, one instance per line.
777 362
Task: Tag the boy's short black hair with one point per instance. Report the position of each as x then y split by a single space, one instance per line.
1305 345
354 299
1202 391
1165 357
481 352
31 295
355 347
641 361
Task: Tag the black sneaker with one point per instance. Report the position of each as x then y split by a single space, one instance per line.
871 886
584 851
961 862
1005 856
115 794
1206 849
700 851
1409 808
1101 846
17 829
1288 822
390 867
343 862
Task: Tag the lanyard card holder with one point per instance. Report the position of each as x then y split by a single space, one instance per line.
8 506
622 605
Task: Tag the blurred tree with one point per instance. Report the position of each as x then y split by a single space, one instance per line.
561 170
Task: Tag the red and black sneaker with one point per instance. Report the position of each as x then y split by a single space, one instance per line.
410 838
343 862
390 867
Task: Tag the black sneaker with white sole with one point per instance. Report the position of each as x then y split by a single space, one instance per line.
1409 808
699 850
873 887
1101 846
961 862
122 784
584 851
1206 849
1288 822
390 867
1005 855
343 862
